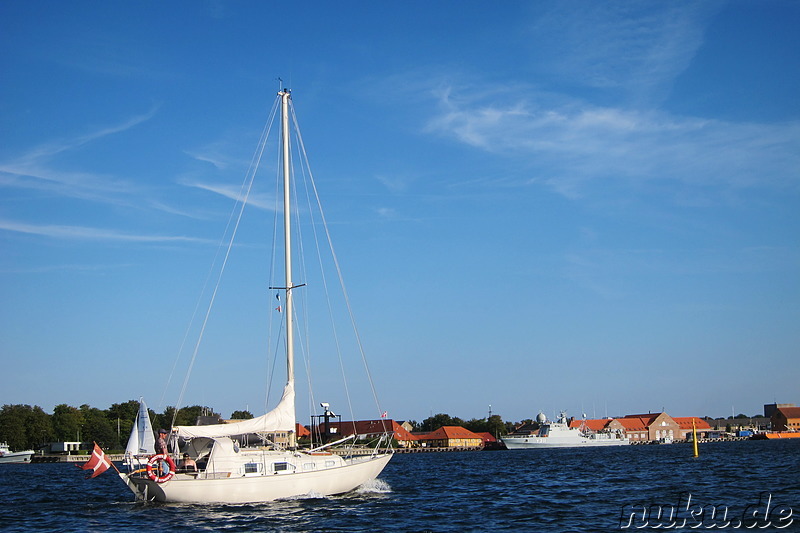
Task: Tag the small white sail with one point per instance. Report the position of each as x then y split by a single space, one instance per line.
142 441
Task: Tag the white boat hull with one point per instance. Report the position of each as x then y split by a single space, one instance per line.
185 488
519 443
559 434
17 457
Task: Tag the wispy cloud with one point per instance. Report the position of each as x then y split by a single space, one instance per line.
45 269
569 137
36 170
216 153
50 149
84 185
258 200
633 48
91 234
386 212
571 143
395 184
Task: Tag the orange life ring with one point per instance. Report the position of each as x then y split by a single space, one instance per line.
153 473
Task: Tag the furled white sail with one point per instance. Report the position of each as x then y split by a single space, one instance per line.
282 418
142 441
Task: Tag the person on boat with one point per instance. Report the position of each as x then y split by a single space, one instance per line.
161 442
161 449
188 464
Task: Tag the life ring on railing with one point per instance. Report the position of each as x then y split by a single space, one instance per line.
154 467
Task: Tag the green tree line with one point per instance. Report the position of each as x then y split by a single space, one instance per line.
24 427
494 424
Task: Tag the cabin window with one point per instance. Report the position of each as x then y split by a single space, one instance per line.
252 468
309 466
280 467
330 464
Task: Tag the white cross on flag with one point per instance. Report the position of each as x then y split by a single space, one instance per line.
98 462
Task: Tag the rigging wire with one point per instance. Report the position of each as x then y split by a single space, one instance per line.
304 341
306 179
314 204
335 260
244 195
271 278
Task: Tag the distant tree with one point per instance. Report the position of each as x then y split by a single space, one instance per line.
98 428
476 425
163 420
24 427
414 425
67 423
436 421
123 416
496 426
13 419
39 429
124 411
187 416
741 415
241 415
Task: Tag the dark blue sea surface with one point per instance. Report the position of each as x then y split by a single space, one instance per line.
523 490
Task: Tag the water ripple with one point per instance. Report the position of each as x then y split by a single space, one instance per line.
523 490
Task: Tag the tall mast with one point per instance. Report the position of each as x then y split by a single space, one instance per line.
285 95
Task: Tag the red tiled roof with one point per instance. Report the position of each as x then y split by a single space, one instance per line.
301 431
486 436
649 417
400 433
685 422
790 412
450 432
632 423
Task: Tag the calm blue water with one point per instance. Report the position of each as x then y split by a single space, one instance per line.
524 490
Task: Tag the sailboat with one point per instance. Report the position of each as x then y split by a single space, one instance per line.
141 442
228 471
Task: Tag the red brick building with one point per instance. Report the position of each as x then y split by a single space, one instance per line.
786 419
685 422
635 429
660 426
374 429
647 427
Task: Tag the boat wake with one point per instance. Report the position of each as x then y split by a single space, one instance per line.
313 495
374 486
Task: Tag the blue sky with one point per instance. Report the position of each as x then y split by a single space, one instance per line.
591 206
